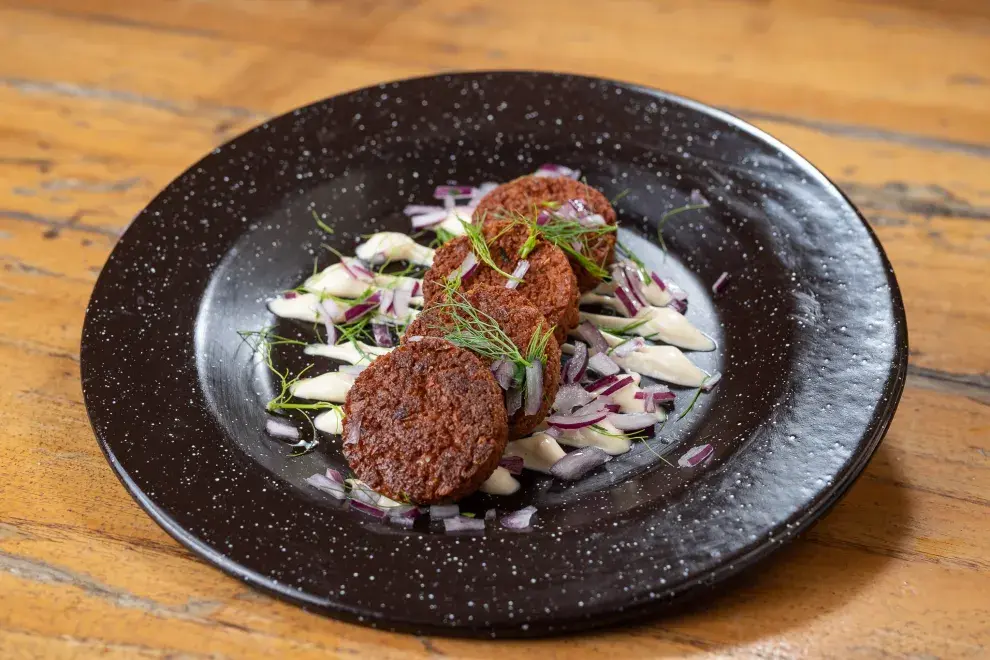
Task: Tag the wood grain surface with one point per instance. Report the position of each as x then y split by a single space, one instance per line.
103 102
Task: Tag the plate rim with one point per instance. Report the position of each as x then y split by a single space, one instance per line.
684 591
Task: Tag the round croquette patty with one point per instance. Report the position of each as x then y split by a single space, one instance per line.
523 196
519 320
550 284
425 423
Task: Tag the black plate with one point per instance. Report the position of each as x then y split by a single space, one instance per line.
811 332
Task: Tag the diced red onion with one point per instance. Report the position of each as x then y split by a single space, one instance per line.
449 204
577 364
385 300
719 283
603 364
400 303
695 456
466 268
382 335
355 269
514 464
504 373
518 520
520 271
415 288
709 384
332 335
654 389
331 311
697 199
289 295
362 308
513 401
553 432
335 476
453 191
369 509
631 421
635 282
328 486
571 422
611 407
678 306
570 396
463 524
280 429
415 338
406 523
656 397
579 463
622 382
601 383
591 220
629 346
352 369
599 405
403 511
649 404
596 341
625 297
534 388
676 292
550 169
543 217
429 219
659 282
490 514
441 511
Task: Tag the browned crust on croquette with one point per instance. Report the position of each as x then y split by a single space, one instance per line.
524 195
550 284
425 423
518 319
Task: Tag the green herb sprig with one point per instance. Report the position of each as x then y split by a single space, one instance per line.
479 245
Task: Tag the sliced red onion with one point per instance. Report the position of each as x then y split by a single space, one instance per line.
635 282
622 382
659 282
400 303
406 523
601 383
600 405
513 401
625 297
331 311
709 383
550 169
449 204
518 520
611 407
577 364
603 364
430 219
579 463
570 396
676 292
571 422
415 288
695 456
382 335
415 338
289 295
553 432
354 269
463 524
514 464
719 283
631 421
592 220
520 271
628 347
543 217
385 300
328 486
441 511
596 341
335 476
649 404
678 306
369 509
466 268
460 192
280 429
490 514
534 388
654 390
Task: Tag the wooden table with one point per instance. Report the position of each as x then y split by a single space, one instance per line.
103 102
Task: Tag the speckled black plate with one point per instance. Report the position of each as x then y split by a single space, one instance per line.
811 333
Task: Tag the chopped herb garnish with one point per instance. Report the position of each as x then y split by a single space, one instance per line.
322 225
670 214
629 327
631 256
694 399
566 234
620 196
479 245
